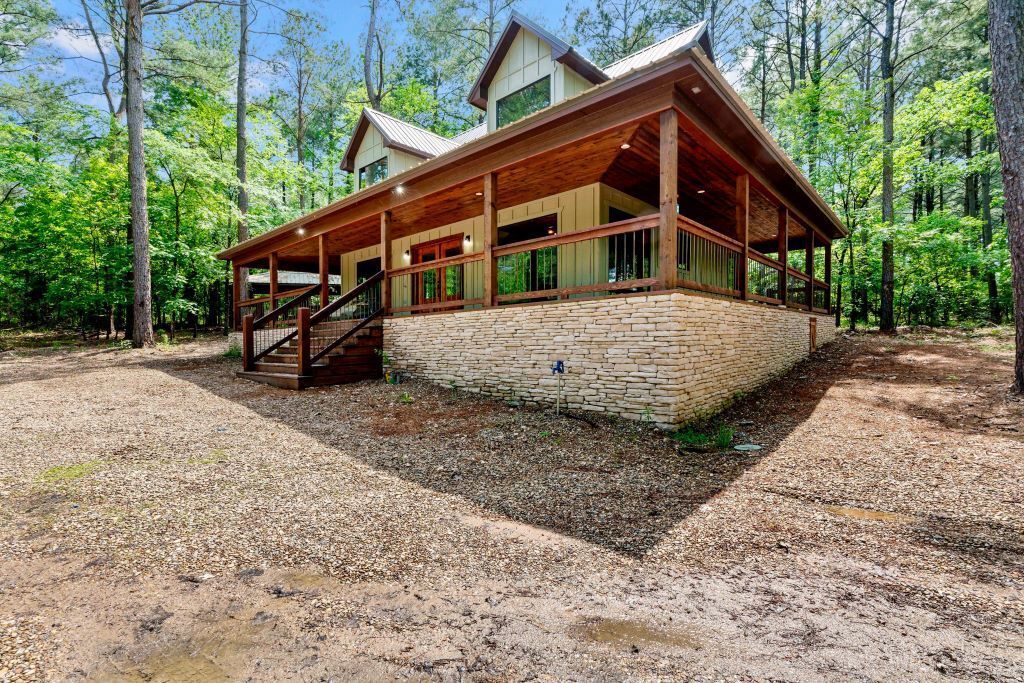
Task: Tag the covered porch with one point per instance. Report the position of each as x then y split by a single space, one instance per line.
660 189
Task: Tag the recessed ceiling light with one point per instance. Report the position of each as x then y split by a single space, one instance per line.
399 189
624 145
479 194
301 231
695 90
701 191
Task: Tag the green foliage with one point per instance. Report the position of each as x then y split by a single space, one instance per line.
62 473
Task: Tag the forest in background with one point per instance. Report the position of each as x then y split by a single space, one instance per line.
818 73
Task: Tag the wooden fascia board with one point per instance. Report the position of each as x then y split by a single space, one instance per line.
607 106
349 158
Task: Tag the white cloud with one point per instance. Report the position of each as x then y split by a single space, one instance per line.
76 43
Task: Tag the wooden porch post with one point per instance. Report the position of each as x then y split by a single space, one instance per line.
668 225
247 342
236 296
490 238
743 232
273 280
828 275
809 255
302 341
385 261
784 253
325 278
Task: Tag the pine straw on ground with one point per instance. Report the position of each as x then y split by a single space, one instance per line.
417 531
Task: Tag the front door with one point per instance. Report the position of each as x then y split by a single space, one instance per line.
441 284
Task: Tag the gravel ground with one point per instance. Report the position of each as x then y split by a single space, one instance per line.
161 520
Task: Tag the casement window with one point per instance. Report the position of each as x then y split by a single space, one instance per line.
373 173
523 102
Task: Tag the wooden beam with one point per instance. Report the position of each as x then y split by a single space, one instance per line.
273 279
828 275
743 230
809 263
325 278
385 261
490 238
236 296
784 253
668 230
248 347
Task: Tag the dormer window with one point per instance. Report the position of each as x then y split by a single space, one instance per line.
524 102
373 172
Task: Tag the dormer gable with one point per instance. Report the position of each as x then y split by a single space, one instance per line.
382 146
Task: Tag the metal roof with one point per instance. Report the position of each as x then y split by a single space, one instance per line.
474 133
291 277
406 135
652 53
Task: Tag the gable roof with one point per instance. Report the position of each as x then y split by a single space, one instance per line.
474 133
692 35
398 135
561 51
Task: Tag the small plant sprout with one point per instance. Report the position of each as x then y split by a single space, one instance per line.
405 397
647 416
724 436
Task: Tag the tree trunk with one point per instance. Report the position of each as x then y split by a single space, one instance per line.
1006 36
886 321
241 141
142 335
372 94
995 312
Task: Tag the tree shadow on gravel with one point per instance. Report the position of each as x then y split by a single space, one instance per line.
615 483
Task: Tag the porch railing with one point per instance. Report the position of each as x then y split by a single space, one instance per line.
764 278
616 257
708 261
444 284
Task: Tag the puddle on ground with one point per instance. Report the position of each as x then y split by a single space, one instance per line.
625 633
866 514
217 655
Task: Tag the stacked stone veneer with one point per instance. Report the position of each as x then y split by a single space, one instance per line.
669 357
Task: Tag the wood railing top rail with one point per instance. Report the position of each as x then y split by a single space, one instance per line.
797 274
345 299
766 260
564 292
694 228
255 301
596 232
276 313
439 263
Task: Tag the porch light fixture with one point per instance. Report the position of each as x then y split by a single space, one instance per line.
624 145
406 254
469 239
695 90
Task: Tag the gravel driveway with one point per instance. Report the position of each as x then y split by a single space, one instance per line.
162 520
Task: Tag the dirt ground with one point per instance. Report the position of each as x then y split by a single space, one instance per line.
161 520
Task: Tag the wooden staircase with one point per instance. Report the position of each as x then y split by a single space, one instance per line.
355 359
299 344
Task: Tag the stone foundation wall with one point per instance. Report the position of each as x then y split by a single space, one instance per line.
665 357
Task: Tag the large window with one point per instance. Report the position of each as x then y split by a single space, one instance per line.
373 173
528 271
524 102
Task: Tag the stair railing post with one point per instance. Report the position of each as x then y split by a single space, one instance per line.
303 341
247 342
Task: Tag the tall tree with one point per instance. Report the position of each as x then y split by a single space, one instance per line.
372 46
241 141
1006 35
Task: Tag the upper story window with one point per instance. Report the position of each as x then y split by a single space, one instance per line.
523 102
373 172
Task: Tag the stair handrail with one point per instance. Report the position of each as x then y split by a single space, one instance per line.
249 353
306 359
326 311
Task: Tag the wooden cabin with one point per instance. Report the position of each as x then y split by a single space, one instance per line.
633 220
